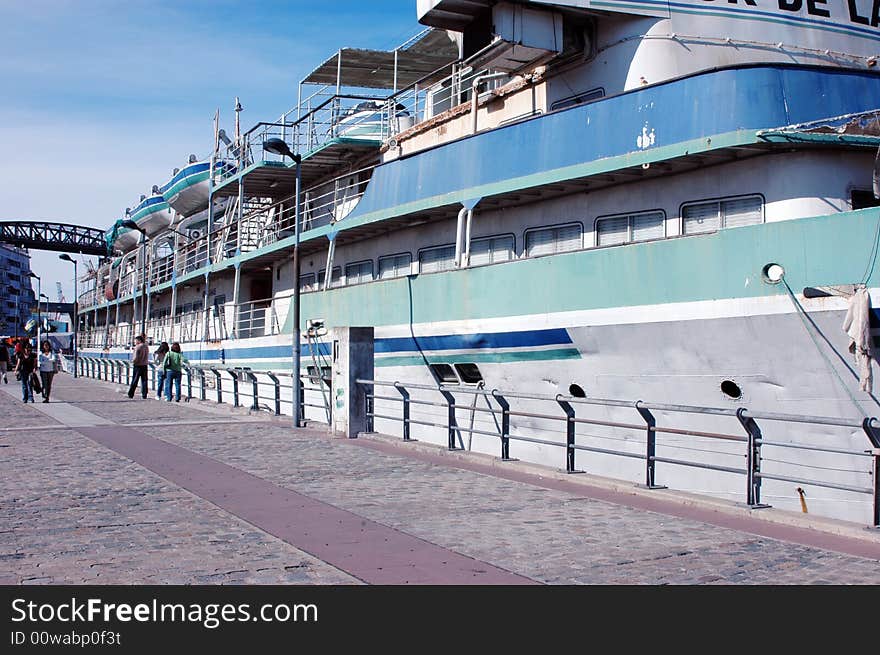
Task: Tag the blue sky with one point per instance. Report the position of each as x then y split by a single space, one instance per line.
103 98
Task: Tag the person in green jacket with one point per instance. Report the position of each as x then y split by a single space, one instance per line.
173 366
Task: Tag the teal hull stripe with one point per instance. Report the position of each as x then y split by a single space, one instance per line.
480 358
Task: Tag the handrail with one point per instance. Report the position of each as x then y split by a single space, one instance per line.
751 435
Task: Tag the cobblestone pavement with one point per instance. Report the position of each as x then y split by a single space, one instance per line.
73 511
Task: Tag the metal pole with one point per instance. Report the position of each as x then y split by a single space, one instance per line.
143 283
294 379
75 319
39 314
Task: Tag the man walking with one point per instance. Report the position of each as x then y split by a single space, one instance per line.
4 361
140 359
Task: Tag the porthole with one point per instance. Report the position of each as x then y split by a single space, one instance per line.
731 389
576 391
773 273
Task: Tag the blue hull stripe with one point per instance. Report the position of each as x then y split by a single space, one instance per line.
474 341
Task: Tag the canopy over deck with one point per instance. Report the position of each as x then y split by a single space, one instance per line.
387 69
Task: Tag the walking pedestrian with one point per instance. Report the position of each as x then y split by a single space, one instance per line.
159 361
49 363
140 359
4 361
24 368
174 361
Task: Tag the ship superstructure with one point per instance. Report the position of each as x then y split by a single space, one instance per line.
665 201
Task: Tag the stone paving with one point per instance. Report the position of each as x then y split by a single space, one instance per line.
74 512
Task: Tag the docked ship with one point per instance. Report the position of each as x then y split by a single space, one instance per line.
673 202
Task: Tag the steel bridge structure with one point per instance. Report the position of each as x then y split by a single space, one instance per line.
58 237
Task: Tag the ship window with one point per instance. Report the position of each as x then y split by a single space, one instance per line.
335 277
359 272
491 250
863 198
444 373
580 99
307 282
550 240
633 227
469 373
441 258
711 216
395 266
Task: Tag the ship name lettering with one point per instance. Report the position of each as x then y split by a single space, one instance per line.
820 8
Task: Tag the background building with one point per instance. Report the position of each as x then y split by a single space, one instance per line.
17 298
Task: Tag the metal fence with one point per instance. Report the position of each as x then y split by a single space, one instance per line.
749 442
238 387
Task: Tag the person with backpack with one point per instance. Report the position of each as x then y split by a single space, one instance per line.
159 361
24 369
173 365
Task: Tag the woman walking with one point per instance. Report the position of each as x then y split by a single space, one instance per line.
159 361
25 364
49 364
174 361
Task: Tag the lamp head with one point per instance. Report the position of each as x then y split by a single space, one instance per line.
278 147
131 225
66 258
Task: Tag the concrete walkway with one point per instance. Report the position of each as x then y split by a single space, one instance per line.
98 488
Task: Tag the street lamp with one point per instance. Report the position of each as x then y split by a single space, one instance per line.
134 226
70 259
39 317
279 147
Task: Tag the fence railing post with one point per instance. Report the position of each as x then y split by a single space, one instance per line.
277 384
219 381
569 435
650 445
505 426
256 390
405 410
753 459
451 424
370 408
189 382
234 376
127 372
203 391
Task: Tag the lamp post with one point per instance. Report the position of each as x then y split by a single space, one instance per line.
280 147
39 317
70 259
134 226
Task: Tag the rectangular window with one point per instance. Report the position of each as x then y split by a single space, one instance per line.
359 272
335 277
307 282
632 227
717 214
395 266
441 258
491 250
551 240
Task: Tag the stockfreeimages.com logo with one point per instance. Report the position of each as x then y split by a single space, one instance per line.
210 615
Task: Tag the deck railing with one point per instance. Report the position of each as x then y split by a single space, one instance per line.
652 421
643 429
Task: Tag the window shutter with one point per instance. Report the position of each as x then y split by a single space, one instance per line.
612 231
437 259
491 251
539 242
570 237
742 211
647 226
394 266
701 217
